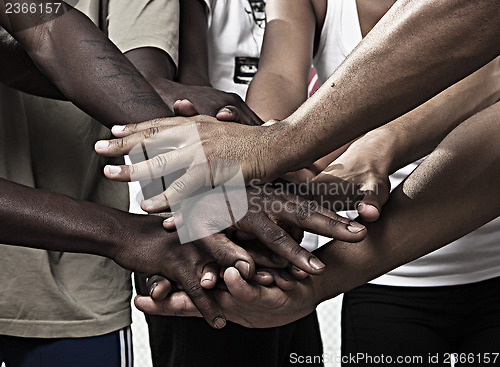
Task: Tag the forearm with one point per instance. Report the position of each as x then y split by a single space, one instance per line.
380 82
50 221
152 63
429 210
193 44
418 132
18 71
274 96
281 83
88 69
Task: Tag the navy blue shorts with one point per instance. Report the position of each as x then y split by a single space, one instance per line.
109 350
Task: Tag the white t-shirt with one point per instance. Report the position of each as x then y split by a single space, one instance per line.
236 33
472 258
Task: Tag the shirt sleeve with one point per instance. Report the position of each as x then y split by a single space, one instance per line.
135 24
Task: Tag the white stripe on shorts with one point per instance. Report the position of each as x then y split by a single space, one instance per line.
122 349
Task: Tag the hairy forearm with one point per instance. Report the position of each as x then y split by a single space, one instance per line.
87 68
439 43
429 210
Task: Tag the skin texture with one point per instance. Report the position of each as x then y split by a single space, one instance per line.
89 70
422 215
376 84
280 87
18 71
105 74
86 53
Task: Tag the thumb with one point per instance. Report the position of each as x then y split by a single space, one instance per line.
375 195
229 113
184 108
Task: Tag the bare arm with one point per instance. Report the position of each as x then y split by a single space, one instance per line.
429 210
432 208
418 132
376 84
280 85
88 69
366 165
18 71
439 43
193 44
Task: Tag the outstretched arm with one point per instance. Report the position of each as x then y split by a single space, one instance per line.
365 167
438 44
429 210
84 65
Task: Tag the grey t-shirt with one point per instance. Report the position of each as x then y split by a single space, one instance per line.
48 145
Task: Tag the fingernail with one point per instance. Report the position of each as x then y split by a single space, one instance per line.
316 263
153 287
102 144
169 219
147 203
118 129
114 170
261 274
208 276
219 322
355 227
243 267
361 206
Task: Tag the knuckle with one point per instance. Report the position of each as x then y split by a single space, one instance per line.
305 210
118 143
179 186
151 132
133 171
333 222
277 235
158 162
194 290
297 250
221 255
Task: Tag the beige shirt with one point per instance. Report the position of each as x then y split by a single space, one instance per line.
48 144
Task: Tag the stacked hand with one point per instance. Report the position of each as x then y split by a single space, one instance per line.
189 138
358 179
186 100
261 246
259 255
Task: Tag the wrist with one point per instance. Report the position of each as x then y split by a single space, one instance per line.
375 149
130 230
286 146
